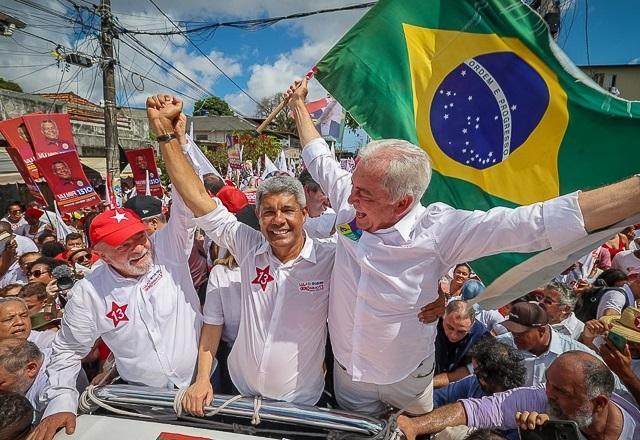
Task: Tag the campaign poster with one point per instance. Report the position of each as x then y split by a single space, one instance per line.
234 152
50 133
32 186
15 132
67 181
141 161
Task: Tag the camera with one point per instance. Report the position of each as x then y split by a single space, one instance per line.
65 277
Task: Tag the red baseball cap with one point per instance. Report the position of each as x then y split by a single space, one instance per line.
115 226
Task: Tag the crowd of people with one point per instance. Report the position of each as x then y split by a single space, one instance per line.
329 288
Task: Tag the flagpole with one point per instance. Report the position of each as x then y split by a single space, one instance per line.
282 105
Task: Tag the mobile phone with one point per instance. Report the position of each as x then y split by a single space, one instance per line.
5 238
552 430
617 340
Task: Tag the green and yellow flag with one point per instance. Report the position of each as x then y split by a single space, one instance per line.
505 116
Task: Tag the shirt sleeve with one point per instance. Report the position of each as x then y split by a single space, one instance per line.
226 231
468 235
72 343
177 236
334 181
213 312
498 410
610 300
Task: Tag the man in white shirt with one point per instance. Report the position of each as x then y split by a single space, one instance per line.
559 300
627 261
391 252
22 370
142 304
321 222
14 216
17 246
279 349
614 301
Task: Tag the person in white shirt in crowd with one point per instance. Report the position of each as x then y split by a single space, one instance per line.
579 388
391 252
279 350
627 261
471 289
539 343
22 370
15 322
321 222
16 246
34 226
559 300
14 215
81 261
142 304
614 301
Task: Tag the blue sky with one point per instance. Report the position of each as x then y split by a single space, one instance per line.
262 62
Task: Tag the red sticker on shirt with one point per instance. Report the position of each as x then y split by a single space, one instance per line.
262 278
117 313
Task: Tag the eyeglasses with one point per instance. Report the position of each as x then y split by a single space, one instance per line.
15 211
82 258
545 299
37 273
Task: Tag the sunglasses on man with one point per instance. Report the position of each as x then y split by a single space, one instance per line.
37 273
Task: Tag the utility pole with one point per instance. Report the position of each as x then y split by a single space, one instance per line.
109 91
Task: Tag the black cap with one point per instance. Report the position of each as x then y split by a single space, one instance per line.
144 206
525 316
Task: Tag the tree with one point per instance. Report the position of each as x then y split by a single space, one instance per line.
283 122
214 105
350 122
10 85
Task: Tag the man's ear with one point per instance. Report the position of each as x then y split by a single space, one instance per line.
599 403
32 368
402 206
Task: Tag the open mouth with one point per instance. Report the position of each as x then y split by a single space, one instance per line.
360 214
18 331
280 232
136 260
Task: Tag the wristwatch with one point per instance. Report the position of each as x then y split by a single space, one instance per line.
165 137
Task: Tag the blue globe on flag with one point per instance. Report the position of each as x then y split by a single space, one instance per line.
486 108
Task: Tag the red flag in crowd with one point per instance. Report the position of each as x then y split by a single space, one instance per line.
141 161
50 133
15 132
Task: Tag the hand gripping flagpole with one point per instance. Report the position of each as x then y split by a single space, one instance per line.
282 105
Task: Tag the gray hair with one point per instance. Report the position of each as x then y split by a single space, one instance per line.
16 353
404 167
462 308
281 184
7 299
566 295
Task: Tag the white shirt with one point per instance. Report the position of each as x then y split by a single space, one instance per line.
151 323
222 304
490 318
14 274
382 279
626 261
571 326
280 346
43 339
322 225
24 230
16 225
614 299
537 365
35 393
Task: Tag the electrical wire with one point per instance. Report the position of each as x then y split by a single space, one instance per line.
35 71
257 23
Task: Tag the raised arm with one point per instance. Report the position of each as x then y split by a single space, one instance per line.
610 204
164 112
296 95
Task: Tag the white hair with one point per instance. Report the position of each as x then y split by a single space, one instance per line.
405 168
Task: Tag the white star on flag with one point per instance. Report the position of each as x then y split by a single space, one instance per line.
120 216
463 73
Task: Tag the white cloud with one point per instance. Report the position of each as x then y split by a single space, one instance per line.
634 61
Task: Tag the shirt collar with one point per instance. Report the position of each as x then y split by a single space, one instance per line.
555 346
406 224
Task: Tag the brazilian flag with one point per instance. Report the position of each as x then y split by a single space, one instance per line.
505 116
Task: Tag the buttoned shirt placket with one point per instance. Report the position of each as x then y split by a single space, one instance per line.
145 305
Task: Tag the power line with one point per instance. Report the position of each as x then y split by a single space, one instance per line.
253 24
206 56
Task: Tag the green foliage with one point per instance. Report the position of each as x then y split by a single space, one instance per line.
10 85
350 122
214 105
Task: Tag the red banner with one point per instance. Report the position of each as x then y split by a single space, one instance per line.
50 133
67 181
32 186
15 132
141 161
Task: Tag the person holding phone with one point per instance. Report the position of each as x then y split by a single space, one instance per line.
621 352
11 248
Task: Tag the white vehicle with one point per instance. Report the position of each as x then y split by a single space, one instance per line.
126 412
